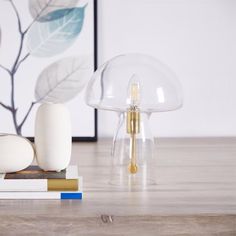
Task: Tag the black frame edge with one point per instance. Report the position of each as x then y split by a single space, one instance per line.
95 25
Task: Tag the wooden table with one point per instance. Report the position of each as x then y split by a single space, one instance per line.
195 195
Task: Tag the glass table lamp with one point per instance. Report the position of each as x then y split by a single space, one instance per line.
134 86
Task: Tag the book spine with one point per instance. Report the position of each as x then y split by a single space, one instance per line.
62 185
40 185
41 195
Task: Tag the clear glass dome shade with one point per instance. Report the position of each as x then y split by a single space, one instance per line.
158 89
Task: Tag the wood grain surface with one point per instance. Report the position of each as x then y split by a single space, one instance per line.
195 195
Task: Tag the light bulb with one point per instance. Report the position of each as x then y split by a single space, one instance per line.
134 91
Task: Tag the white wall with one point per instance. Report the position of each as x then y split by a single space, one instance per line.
197 39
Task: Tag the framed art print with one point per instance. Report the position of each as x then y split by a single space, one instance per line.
47 54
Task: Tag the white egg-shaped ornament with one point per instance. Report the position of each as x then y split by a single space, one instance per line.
16 153
53 137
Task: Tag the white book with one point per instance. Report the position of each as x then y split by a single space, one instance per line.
42 195
35 180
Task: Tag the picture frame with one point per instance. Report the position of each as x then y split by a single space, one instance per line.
22 63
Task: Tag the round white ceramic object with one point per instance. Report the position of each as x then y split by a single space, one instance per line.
16 153
53 137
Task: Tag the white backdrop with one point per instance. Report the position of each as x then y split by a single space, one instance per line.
197 39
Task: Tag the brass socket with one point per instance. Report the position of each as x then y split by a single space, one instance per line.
133 121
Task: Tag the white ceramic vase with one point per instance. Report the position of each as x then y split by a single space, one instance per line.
53 137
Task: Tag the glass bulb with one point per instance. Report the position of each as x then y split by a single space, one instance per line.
134 91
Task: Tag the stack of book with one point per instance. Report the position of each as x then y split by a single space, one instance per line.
34 183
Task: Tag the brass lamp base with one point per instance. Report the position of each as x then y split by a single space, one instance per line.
133 128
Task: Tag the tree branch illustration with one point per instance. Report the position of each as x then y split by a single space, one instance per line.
6 69
17 62
26 115
20 61
17 16
5 106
